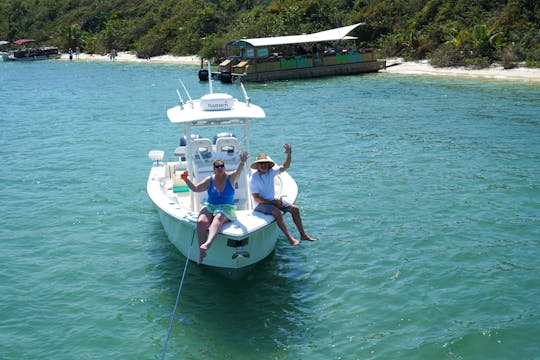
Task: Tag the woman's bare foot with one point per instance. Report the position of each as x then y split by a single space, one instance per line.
294 242
307 237
202 255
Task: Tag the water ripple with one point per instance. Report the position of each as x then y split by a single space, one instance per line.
423 194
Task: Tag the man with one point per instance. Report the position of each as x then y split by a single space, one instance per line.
262 190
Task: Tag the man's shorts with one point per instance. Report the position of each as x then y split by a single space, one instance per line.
268 208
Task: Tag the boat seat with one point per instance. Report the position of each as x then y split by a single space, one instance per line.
242 196
225 62
240 68
227 144
203 148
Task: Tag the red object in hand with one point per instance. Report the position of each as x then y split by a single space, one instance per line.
185 175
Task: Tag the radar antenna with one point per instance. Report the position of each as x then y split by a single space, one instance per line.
180 99
210 77
185 90
248 99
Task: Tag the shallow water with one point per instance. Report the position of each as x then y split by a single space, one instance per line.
423 193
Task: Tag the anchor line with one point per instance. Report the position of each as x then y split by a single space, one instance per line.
177 298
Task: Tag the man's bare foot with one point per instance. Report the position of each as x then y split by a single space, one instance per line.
308 238
294 242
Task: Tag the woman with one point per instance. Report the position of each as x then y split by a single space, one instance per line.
219 205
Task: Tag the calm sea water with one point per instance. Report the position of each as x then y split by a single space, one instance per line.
424 194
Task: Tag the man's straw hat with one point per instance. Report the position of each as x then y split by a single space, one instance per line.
263 158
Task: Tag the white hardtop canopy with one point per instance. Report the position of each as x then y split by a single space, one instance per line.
322 36
214 109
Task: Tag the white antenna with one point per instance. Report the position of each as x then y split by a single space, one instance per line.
180 98
185 90
210 77
248 100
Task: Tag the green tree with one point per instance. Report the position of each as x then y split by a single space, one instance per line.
465 32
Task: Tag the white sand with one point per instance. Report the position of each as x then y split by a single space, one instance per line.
128 57
493 72
394 66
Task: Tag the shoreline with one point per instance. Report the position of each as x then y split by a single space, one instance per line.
495 72
128 57
394 66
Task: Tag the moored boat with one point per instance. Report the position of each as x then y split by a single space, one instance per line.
222 125
31 53
325 53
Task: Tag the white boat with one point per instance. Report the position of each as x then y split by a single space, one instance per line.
241 243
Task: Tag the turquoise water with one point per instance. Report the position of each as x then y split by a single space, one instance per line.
424 194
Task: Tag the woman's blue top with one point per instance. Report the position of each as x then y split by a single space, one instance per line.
217 198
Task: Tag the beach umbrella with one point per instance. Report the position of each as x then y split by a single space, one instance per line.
23 41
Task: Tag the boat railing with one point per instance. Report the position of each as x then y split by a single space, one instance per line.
278 61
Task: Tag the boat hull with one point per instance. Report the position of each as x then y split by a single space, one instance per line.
312 72
233 257
32 54
35 58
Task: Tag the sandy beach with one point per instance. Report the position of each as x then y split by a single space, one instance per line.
398 66
394 66
128 57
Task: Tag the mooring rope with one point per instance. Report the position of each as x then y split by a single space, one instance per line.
177 297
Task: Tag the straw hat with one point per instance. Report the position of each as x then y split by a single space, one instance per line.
263 158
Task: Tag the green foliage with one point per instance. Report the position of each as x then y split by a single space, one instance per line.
449 32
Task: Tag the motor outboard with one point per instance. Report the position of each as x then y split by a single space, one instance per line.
183 139
203 75
226 77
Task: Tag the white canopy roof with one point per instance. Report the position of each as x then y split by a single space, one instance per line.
322 36
195 114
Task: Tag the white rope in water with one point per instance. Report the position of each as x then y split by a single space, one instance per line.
177 298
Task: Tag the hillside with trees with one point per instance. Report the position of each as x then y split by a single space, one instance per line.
448 32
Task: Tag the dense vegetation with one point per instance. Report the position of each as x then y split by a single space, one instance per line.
449 32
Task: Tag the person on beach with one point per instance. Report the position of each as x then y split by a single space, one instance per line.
219 205
261 186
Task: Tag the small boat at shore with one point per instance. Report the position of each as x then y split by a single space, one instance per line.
31 53
325 53
222 125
